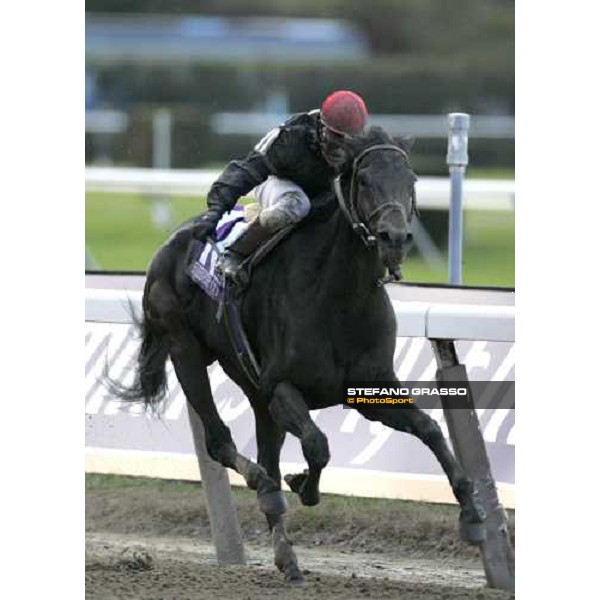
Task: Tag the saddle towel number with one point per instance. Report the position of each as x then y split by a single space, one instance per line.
267 140
203 269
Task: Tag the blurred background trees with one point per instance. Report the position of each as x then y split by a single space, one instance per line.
411 57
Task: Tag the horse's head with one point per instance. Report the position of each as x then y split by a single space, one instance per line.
381 199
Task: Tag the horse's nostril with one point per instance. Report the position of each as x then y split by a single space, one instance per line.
396 238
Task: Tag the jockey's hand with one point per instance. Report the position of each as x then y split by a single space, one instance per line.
205 225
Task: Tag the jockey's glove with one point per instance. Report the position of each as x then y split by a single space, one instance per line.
206 224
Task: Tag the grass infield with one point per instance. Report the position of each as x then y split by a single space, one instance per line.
120 235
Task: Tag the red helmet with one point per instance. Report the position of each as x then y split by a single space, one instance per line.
344 112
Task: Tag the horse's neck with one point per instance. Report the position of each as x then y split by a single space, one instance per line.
348 265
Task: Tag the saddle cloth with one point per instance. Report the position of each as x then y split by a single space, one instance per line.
205 255
203 270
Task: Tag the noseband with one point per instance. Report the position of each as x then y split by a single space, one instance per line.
349 208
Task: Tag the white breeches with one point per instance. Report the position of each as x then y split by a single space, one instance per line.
282 202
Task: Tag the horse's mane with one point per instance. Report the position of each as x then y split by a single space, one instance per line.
377 135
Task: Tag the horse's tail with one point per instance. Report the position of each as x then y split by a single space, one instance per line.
150 382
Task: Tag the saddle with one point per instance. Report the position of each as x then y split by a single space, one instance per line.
203 267
204 270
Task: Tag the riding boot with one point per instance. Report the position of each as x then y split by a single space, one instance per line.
248 241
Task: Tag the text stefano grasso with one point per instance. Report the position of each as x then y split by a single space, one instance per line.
407 391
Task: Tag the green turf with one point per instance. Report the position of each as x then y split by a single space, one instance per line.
488 253
121 236
119 231
490 173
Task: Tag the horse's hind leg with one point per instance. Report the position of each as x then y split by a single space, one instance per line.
189 359
290 411
413 420
269 439
193 376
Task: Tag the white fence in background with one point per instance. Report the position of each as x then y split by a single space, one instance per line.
432 192
256 123
419 126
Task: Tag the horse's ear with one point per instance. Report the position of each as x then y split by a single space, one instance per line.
406 142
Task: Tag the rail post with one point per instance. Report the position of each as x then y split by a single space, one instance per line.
469 447
225 528
162 125
457 159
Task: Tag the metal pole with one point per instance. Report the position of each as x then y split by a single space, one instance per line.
161 159
457 159
222 514
161 138
470 451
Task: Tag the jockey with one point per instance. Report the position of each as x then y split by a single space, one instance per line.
290 164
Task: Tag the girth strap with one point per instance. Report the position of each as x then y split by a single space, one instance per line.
237 335
230 307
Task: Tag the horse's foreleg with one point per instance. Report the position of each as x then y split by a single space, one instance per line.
413 420
269 439
290 411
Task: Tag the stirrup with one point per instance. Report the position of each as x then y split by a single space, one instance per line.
231 265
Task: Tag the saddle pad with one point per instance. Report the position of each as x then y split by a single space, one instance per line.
205 255
203 269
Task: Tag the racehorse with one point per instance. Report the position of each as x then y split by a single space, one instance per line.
316 315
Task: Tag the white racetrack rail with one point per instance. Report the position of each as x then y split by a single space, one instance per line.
432 192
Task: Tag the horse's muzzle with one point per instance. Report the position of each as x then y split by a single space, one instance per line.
393 245
396 238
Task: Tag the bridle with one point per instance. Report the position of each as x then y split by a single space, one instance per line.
349 207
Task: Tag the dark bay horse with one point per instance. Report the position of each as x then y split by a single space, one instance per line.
316 316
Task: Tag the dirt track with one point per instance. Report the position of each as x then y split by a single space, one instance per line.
150 540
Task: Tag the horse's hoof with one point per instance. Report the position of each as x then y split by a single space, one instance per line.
294 577
272 502
295 482
311 499
473 533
